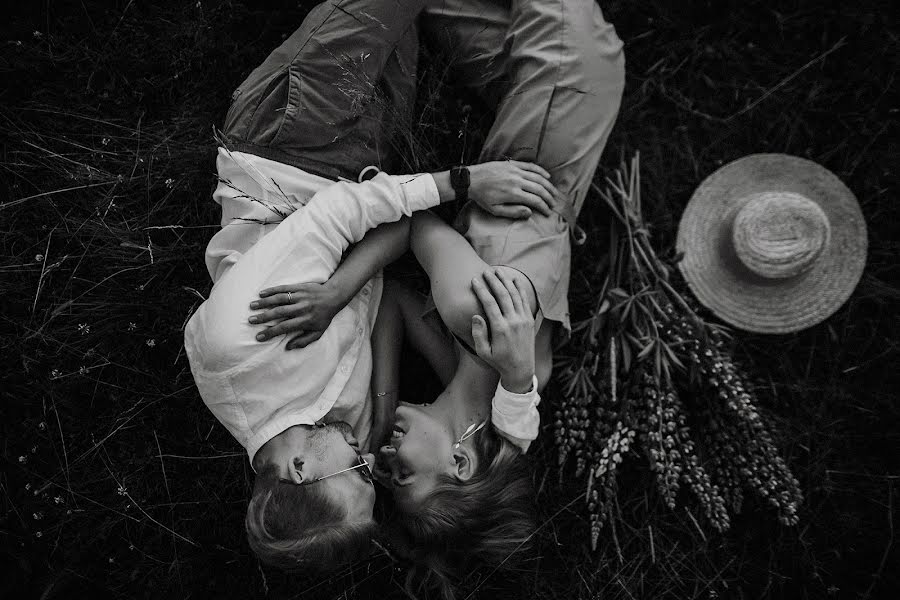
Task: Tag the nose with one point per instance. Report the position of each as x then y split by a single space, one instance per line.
388 451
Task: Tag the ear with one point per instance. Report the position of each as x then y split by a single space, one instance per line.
296 471
465 463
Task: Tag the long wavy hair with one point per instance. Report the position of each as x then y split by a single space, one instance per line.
486 520
300 527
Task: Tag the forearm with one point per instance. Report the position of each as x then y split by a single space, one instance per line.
387 343
380 247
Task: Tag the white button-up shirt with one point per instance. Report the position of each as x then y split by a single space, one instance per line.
282 225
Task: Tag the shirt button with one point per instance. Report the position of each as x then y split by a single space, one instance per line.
359 331
366 292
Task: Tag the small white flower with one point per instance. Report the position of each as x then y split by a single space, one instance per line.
23 459
151 343
132 326
54 373
38 516
38 534
84 328
37 34
38 258
58 500
82 370
105 141
27 487
42 426
121 490
170 182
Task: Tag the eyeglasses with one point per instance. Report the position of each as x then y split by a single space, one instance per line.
361 463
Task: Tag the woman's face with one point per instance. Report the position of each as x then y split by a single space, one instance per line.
420 451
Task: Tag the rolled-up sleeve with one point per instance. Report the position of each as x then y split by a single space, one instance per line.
515 416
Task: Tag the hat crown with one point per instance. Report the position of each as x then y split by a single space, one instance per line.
778 235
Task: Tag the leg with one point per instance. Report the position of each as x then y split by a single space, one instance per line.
556 68
330 93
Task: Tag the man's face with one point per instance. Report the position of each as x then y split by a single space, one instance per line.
333 448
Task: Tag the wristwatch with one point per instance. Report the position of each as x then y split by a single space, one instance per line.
459 181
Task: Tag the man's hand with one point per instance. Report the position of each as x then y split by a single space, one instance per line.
307 310
510 348
512 189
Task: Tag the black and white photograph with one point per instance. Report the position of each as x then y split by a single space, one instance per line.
449 299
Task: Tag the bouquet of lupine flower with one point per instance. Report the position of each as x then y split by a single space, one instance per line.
646 377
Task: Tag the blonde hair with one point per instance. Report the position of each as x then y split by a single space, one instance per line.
299 526
486 520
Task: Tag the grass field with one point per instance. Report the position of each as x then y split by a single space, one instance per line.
118 483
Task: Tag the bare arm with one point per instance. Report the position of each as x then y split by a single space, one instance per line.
452 265
459 276
399 318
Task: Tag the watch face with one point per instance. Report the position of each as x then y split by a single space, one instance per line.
459 177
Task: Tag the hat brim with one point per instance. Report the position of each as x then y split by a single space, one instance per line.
738 296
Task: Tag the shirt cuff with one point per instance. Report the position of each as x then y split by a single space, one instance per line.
421 191
515 416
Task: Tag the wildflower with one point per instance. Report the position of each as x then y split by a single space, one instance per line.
38 534
131 546
27 487
132 326
57 500
84 328
38 258
121 490
42 426
38 516
105 142
54 373
151 343
170 182
69 512
34 449
111 560
23 459
82 370
37 34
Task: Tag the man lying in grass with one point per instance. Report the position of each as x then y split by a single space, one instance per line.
321 107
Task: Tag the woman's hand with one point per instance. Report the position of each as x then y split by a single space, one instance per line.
307 310
512 189
510 347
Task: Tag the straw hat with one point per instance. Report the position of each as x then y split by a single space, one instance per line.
772 243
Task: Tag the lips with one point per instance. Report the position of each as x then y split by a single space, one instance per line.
397 432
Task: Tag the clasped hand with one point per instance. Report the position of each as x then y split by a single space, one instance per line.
512 189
